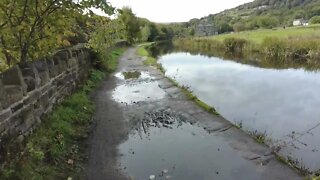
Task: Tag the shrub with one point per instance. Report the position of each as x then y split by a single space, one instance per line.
234 45
274 47
315 20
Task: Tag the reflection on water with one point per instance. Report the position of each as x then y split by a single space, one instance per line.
283 103
168 148
139 87
254 59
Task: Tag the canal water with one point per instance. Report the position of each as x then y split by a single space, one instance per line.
283 104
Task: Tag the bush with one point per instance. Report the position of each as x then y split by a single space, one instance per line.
274 47
234 45
315 20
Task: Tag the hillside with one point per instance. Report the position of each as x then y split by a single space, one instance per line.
260 14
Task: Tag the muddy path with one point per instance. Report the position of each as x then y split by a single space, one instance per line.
146 128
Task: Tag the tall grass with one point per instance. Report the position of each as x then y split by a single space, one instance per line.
258 36
293 49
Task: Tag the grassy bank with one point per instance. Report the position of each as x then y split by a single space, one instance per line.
56 149
258 36
151 61
264 45
142 51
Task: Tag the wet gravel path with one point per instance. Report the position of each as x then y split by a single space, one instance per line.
142 128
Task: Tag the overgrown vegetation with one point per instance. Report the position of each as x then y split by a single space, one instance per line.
258 36
302 48
55 150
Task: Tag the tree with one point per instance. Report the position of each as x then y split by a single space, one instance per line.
267 22
130 23
145 33
315 20
33 28
106 32
239 26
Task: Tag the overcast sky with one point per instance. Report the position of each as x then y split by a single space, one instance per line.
176 10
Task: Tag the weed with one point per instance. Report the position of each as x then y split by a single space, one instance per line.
258 136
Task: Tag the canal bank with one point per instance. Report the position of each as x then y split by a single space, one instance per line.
146 126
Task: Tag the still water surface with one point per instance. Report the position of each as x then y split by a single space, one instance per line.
284 104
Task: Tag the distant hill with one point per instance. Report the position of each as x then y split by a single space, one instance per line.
260 14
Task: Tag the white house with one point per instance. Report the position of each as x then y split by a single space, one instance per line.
300 22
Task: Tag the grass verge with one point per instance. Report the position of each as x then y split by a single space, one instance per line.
150 61
56 149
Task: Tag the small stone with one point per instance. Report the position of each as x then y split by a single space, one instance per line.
70 161
69 178
165 171
151 177
168 177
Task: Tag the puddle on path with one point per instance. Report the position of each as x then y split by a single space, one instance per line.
139 86
133 75
168 148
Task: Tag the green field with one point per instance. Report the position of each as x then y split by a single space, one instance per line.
258 36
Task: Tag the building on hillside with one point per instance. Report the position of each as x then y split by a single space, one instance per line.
205 29
300 22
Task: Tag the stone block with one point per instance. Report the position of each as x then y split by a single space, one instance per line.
74 53
32 97
17 106
72 62
44 100
69 53
43 71
3 97
4 126
28 119
41 65
13 126
52 91
5 114
63 65
30 82
13 77
14 93
45 88
30 75
51 68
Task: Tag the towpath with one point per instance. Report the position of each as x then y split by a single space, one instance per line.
145 127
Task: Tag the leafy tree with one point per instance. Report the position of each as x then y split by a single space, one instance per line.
223 27
315 20
153 32
130 23
267 22
145 33
33 28
105 34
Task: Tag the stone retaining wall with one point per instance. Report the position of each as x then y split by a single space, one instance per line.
29 91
